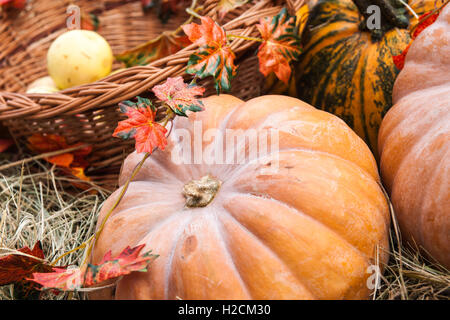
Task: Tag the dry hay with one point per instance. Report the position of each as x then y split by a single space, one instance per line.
38 203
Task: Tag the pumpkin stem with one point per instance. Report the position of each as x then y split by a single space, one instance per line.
199 193
393 15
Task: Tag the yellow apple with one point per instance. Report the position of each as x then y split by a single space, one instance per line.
78 57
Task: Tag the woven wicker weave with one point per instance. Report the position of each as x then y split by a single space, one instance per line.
89 113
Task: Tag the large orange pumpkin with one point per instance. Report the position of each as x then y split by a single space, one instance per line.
303 222
414 142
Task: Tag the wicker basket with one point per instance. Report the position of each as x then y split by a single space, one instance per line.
89 113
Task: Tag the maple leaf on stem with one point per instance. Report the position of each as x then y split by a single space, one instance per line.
214 56
281 45
15 268
129 260
51 142
61 279
141 126
206 33
180 96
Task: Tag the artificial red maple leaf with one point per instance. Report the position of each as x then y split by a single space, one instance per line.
281 45
129 260
142 126
214 57
425 21
51 142
79 173
62 279
16 268
46 143
206 33
72 163
179 96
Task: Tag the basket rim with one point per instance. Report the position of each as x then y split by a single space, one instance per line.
128 83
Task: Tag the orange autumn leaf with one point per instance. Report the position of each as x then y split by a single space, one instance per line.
79 173
72 163
164 45
62 160
180 96
61 279
51 142
208 33
82 181
129 260
214 56
281 45
16 267
46 143
141 126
